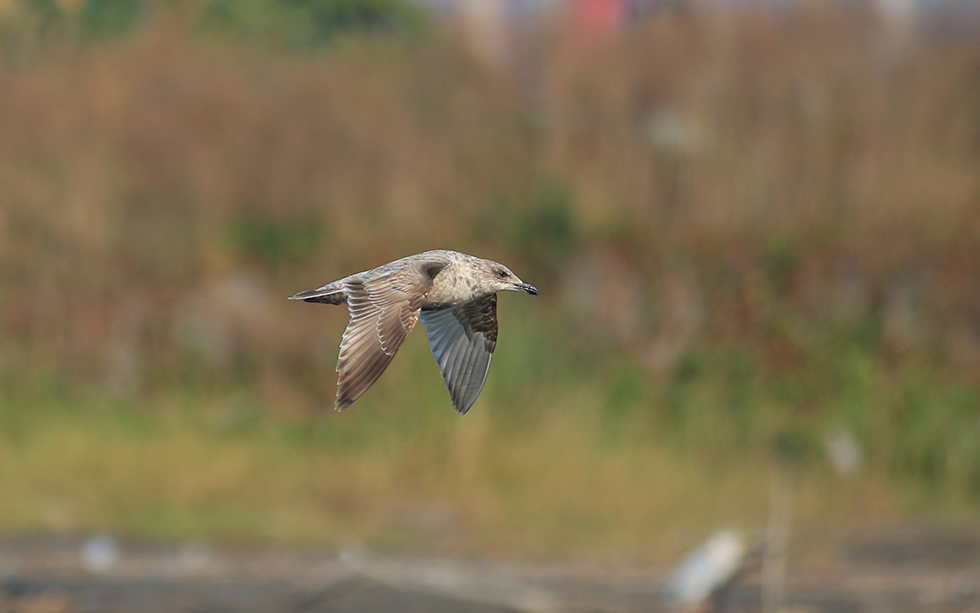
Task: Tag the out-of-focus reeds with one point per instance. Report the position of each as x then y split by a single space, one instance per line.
751 230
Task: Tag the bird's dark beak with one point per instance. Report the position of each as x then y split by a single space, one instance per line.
526 287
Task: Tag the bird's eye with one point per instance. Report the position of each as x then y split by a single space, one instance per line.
503 273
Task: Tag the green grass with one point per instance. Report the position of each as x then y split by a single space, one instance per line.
604 465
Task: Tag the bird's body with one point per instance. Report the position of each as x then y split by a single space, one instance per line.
455 296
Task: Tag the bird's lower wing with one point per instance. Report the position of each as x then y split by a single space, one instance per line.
462 341
382 313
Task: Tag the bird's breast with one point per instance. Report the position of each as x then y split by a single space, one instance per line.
449 290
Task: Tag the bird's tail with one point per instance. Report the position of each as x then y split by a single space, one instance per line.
328 294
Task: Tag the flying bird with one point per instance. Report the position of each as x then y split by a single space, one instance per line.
455 296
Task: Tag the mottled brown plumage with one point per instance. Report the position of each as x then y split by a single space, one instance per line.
455 296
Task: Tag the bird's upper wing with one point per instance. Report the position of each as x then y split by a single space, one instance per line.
462 341
383 310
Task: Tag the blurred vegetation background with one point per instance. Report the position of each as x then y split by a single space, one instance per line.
756 231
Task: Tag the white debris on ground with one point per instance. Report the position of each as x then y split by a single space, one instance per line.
707 568
100 553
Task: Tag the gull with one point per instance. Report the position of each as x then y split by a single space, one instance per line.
455 296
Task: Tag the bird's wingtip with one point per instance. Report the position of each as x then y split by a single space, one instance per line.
462 408
343 401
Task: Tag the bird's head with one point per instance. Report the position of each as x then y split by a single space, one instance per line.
502 279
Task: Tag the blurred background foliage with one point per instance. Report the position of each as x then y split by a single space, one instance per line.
756 231
282 23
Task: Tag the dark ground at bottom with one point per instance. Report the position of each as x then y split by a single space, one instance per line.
901 570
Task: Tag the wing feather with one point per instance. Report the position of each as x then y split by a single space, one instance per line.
462 341
383 310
